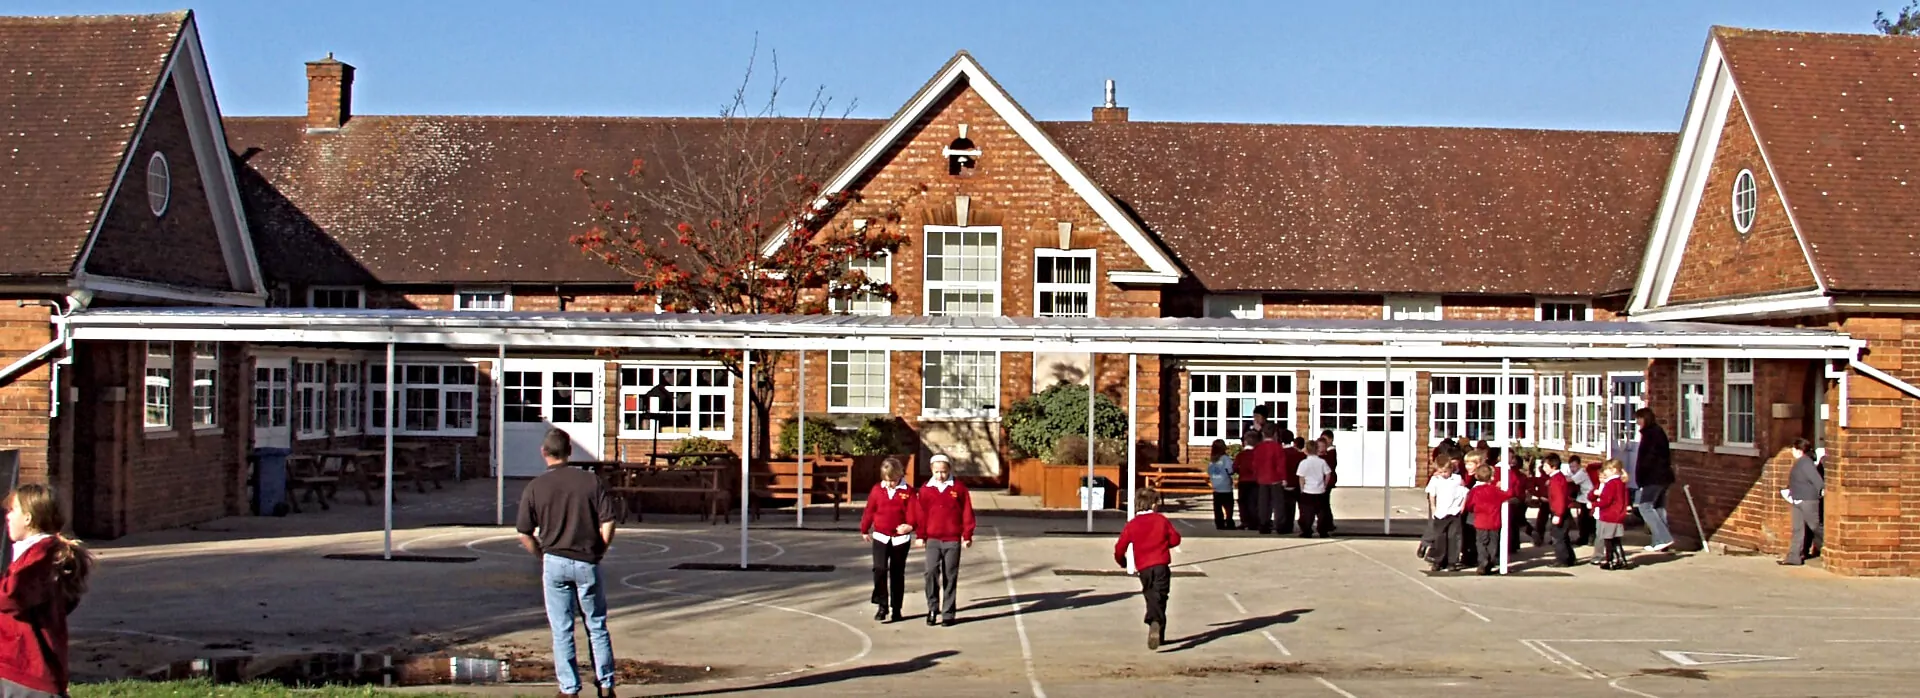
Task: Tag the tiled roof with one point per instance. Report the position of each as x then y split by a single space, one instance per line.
450 199
443 199
1838 117
1385 209
72 93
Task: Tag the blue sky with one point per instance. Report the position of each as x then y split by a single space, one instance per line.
1546 64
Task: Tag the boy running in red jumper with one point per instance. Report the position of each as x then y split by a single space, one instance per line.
1485 501
1151 536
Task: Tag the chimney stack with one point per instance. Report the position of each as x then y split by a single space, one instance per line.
1109 113
329 93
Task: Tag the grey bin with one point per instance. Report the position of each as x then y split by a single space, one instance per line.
270 481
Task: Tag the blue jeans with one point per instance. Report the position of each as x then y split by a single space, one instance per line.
1652 503
574 586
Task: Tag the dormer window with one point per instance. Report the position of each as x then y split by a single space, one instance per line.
961 154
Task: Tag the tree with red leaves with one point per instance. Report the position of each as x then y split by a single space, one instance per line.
695 224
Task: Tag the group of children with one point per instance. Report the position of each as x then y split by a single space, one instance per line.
1468 498
1276 474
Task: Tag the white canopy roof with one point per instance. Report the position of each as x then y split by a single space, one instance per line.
1359 339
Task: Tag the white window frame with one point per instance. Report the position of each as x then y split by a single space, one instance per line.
1750 207
159 184
1234 390
206 386
1042 256
1551 418
1504 405
725 394
349 397
1584 315
1243 306
462 298
1587 425
377 397
157 388
1693 400
992 380
1403 306
360 294
932 287
309 397
879 269
1729 380
844 357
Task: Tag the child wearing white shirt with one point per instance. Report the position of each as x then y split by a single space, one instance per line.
1316 506
1446 497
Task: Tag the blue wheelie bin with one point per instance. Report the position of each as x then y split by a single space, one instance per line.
270 481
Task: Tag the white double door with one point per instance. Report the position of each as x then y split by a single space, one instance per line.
1371 418
542 394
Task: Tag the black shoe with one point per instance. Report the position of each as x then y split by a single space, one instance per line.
880 614
1435 568
1154 632
947 622
896 616
1306 535
933 618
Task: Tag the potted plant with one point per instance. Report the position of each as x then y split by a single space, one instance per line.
1036 425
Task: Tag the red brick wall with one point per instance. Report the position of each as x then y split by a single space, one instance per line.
179 247
24 398
1323 307
1737 494
185 475
1873 495
1718 262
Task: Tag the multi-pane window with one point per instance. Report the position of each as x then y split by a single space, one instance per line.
1238 306
1339 405
879 270
1470 407
1412 308
1625 400
1589 413
697 401
434 399
310 399
206 385
1221 404
857 380
1564 311
1063 283
335 297
349 402
482 299
1693 400
1739 405
960 383
269 397
963 271
159 386
1553 411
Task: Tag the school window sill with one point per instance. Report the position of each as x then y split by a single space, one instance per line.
209 430
960 417
1737 450
648 436
1694 446
859 410
162 432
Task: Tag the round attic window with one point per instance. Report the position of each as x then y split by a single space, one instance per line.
159 184
1746 201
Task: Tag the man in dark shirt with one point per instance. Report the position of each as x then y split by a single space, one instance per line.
566 518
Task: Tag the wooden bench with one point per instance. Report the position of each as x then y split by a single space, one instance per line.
784 487
713 499
1177 479
432 468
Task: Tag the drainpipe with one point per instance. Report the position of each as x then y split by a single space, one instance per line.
62 340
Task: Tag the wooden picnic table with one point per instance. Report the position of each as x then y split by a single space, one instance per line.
827 476
365 467
413 454
624 480
303 472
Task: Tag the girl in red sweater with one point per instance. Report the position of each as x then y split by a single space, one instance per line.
885 521
43 585
1610 507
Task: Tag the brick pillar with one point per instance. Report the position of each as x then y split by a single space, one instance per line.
1870 489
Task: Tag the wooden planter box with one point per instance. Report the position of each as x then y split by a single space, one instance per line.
1027 477
1057 486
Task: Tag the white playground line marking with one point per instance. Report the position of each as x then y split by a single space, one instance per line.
1335 689
1563 660
1019 621
1270 638
137 633
1476 614
866 641
1732 614
1615 685
1694 658
474 547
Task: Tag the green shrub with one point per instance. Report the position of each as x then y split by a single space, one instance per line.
877 436
697 444
1036 423
823 438
1072 450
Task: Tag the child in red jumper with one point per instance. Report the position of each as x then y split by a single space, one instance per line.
1486 501
885 520
1559 508
1151 536
43 585
942 513
1610 507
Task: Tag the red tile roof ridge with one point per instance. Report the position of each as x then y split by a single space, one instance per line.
1358 127
174 16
